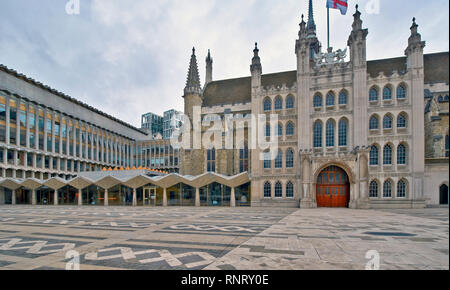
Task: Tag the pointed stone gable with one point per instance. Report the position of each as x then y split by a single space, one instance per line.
193 79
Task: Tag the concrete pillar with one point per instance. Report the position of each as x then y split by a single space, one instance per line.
233 198
106 198
134 197
80 197
197 196
13 197
55 197
33 197
165 197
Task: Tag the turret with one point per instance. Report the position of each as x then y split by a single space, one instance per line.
209 69
192 91
357 41
414 51
256 69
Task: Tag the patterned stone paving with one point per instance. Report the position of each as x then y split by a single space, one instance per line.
39 238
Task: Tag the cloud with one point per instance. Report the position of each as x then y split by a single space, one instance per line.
131 57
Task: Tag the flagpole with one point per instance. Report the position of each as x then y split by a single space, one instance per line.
328 26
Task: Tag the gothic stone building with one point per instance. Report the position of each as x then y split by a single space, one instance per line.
358 134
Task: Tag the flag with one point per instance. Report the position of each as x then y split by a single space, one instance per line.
338 4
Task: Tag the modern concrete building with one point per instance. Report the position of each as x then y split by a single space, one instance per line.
351 133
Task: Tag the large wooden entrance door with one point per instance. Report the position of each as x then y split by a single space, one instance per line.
333 188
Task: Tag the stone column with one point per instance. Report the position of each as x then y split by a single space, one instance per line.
134 197
197 196
80 197
33 197
165 197
233 197
106 198
13 197
55 197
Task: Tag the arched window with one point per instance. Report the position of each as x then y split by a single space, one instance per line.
267 130
280 130
387 189
343 98
330 133
317 134
289 102
330 99
387 122
440 99
289 158
446 98
387 155
401 189
373 123
317 101
373 95
373 189
401 154
267 190
401 121
374 155
211 160
343 131
267 160
279 160
289 190
387 93
447 146
267 105
278 190
290 129
243 159
278 104
401 92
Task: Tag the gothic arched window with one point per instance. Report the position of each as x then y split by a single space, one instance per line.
279 160
387 155
374 155
278 104
330 129
267 160
401 92
373 189
387 122
278 190
343 98
330 99
267 105
290 129
289 102
289 190
373 123
318 134
280 130
401 121
387 93
267 130
387 189
343 131
401 189
267 190
373 95
401 154
289 158
317 101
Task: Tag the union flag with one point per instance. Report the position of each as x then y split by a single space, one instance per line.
342 5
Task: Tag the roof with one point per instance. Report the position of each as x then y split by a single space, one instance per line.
235 91
64 96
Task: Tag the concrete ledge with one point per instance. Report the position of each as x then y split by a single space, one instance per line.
397 204
288 203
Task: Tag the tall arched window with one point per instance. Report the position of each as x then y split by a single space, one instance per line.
318 134
317 101
373 123
267 160
330 128
373 189
289 102
343 132
374 155
267 105
447 146
289 190
279 160
387 189
343 98
278 104
401 121
211 160
330 99
387 93
267 190
243 159
401 154
267 130
278 190
387 155
280 130
373 95
289 158
290 129
387 122
401 92
401 189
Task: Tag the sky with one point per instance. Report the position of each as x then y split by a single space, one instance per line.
129 57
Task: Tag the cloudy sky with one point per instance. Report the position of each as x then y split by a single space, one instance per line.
128 57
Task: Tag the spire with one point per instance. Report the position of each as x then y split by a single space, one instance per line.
302 26
193 79
209 68
415 40
256 61
357 22
311 26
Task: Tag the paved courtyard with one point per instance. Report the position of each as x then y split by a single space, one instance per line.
33 237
